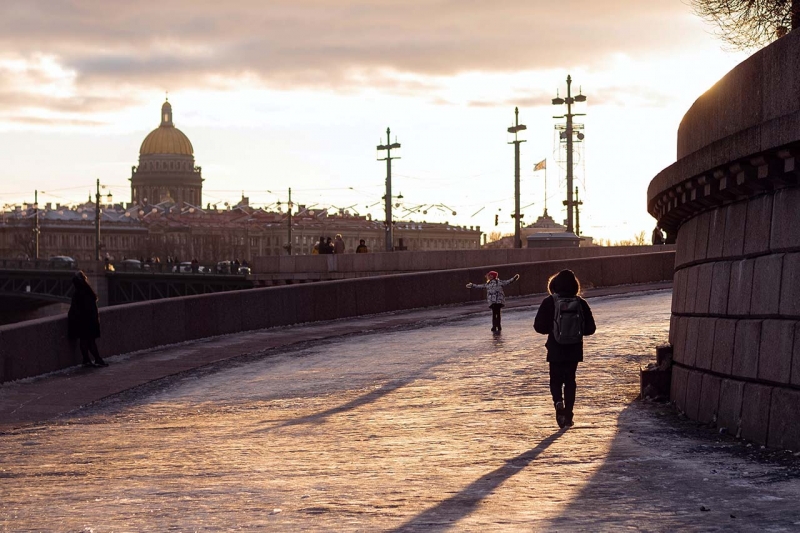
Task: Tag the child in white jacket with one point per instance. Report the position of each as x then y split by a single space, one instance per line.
494 295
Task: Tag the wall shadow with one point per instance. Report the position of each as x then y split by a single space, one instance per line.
365 399
661 475
465 501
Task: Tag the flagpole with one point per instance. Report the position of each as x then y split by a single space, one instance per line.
545 187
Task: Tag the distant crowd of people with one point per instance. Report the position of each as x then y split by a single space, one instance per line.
326 245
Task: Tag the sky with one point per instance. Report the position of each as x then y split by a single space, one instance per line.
298 93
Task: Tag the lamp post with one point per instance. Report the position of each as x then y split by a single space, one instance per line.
97 220
290 205
578 205
569 116
515 129
289 246
388 147
36 229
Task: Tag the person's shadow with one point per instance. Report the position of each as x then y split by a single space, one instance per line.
464 502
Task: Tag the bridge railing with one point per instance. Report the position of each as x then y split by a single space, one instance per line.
416 261
39 346
38 264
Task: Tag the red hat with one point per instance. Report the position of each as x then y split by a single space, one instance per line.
492 274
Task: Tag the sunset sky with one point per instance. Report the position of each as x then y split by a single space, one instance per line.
297 94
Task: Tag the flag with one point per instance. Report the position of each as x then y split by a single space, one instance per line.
541 165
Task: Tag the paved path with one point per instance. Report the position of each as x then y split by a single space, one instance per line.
429 425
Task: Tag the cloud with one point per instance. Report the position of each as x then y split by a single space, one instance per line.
53 121
96 46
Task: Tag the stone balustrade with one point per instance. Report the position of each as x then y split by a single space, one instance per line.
40 346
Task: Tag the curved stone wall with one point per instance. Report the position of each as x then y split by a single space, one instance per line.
732 205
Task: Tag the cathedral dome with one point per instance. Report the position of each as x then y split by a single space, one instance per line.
166 139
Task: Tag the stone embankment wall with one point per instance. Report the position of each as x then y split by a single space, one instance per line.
732 202
358 265
39 346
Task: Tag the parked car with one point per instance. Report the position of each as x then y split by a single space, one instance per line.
127 265
224 267
184 268
62 261
245 270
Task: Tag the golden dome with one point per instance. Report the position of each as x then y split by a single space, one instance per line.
166 139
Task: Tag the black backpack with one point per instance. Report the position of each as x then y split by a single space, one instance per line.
567 319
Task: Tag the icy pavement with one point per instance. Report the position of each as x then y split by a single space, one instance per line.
431 427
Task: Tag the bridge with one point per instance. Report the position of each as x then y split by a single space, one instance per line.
40 282
283 270
38 346
43 282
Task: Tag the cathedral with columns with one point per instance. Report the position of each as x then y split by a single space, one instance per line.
166 170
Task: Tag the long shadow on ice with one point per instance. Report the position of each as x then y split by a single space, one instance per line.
445 515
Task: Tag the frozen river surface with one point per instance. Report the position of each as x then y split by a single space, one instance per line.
439 426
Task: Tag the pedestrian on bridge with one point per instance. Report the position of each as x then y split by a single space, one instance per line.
565 318
83 319
494 295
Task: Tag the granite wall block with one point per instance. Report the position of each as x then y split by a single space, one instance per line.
735 220
746 347
790 286
766 292
687 237
709 399
795 379
720 287
774 359
759 222
692 334
677 393
755 412
691 289
729 415
741 286
681 326
702 302
700 251
724 336
694 386
784 429
785 220
705 342
716 233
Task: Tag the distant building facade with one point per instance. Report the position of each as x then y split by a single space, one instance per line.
167 230
165 218
543 224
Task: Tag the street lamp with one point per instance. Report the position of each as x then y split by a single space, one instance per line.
290 205
516 129
97 219
568 134
388 147
36 230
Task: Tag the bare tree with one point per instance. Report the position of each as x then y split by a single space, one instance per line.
495 236
749 24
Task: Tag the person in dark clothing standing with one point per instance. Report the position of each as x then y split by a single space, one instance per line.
564 353
83 319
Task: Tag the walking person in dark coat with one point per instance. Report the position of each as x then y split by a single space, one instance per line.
564 355
83 320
